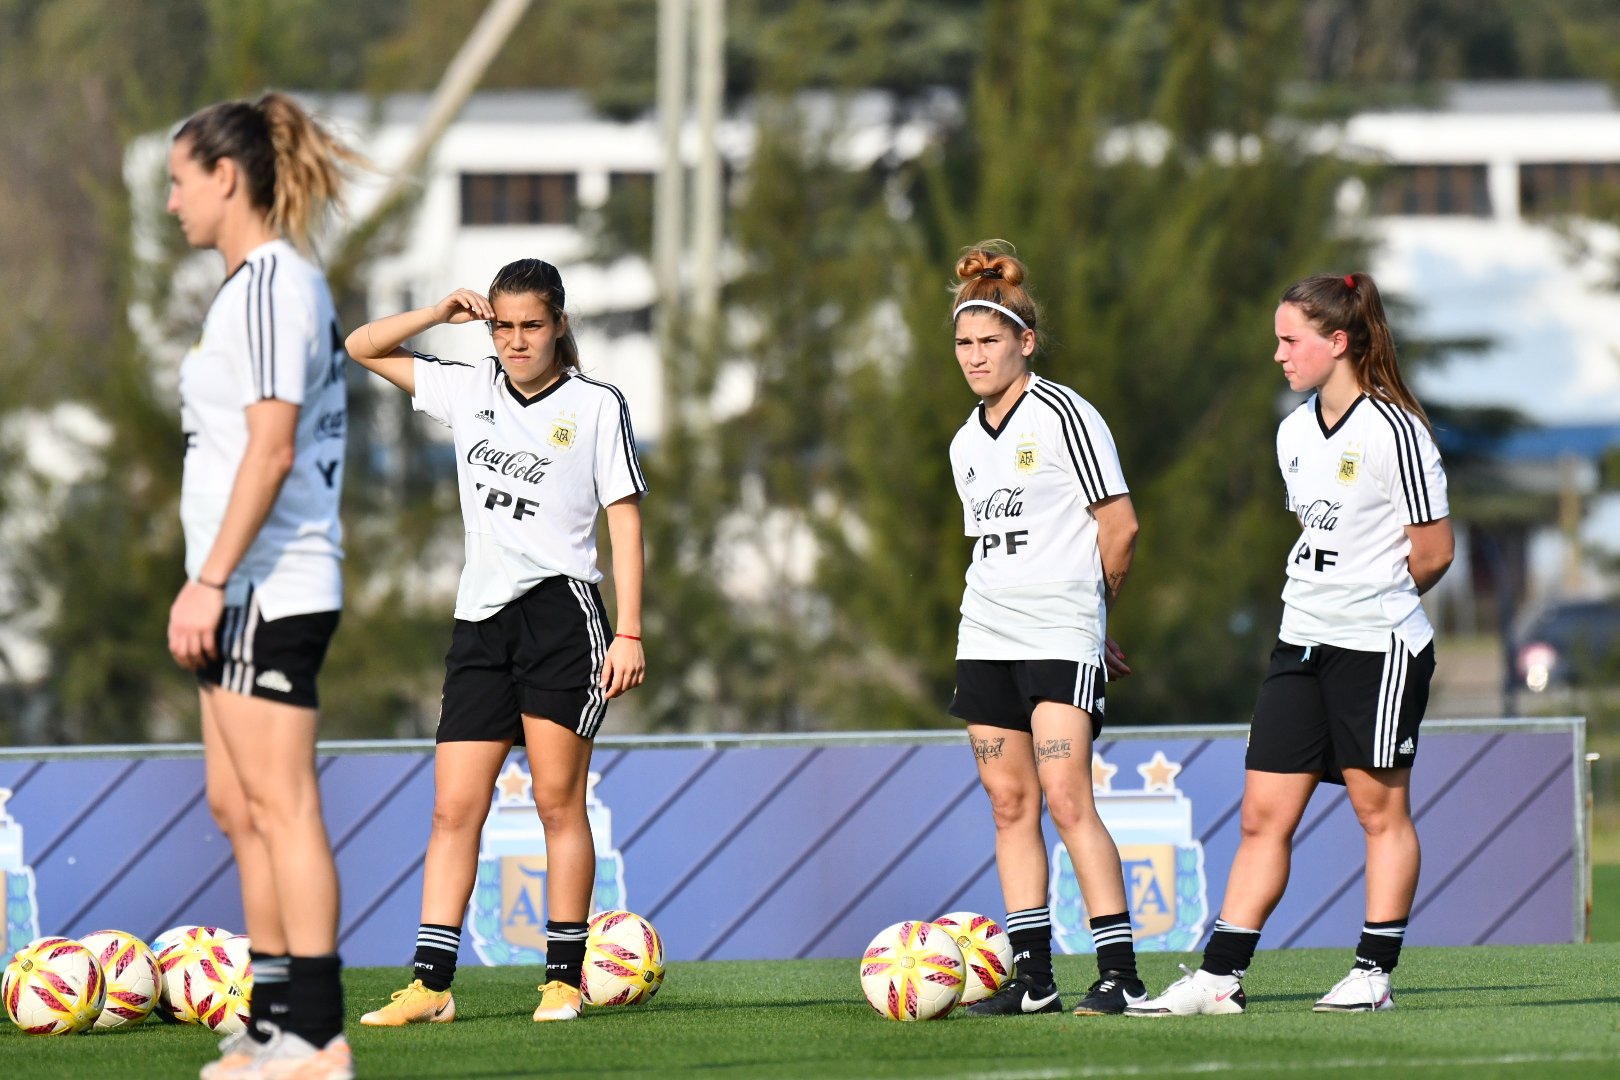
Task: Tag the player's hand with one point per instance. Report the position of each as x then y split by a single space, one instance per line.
463 306
625 667
1114 659
193 620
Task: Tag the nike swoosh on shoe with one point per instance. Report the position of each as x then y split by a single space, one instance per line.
1037 1004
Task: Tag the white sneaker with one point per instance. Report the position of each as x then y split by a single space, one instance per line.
289 1057
1197 993
1362 990
238 1059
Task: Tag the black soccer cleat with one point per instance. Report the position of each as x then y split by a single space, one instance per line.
1111 995
1018 996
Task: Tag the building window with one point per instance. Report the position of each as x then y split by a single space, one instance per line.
1457 190
519 198
1568 187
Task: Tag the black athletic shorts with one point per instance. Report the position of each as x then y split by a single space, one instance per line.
1003 693
274 659
1324 709
540 655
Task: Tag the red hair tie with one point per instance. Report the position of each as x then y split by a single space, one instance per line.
1350 282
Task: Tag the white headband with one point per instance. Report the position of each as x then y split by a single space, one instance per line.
1009 312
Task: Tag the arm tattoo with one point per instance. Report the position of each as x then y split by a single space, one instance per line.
985 749
1052 750
1116 581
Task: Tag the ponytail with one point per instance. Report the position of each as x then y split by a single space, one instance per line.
292 166
1350 302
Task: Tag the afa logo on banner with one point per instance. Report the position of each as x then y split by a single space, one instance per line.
507 915
19 918
1162 860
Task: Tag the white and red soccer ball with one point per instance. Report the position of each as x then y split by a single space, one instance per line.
624 960
131 971
217 982
180 947
986 950
53 986
913 970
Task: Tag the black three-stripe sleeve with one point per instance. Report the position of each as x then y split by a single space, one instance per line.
259 320
1409 461
627 435
1077 441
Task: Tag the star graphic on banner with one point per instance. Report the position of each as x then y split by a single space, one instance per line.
513 783
1102 774
1159 774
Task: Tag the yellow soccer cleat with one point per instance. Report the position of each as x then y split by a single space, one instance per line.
415 1004
558 1001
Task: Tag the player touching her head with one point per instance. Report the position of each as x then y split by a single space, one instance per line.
1054 531
1349 676
533 660
263 407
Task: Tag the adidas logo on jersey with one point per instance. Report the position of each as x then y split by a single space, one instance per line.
1407 747
1293 466
274 680
486 415
969 478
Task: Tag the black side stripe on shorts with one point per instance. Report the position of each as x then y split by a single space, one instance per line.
590 717
237 672
1391 689
1414 484
1078 441
627 435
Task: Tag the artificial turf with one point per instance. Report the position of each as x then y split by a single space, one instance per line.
1497 1011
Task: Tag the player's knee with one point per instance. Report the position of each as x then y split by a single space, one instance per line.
1379 821
1014 805
231 815
1260 823
560 807
453 814
1069 809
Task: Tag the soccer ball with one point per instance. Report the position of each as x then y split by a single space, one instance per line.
131 972
53 986
184 943
170 936
912 971
986 949
624 960
217 982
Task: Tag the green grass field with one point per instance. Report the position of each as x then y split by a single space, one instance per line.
1520 1011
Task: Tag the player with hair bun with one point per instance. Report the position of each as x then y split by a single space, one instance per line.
264 411
1044 498
540 449
1349 676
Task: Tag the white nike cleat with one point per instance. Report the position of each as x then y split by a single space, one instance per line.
1197 993
1362 990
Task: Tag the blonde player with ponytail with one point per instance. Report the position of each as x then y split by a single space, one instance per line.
1349 676
264 412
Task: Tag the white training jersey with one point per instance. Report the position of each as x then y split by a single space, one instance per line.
271 332
1355 487
1035 586
533 473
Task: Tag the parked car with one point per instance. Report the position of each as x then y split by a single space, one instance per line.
1572 643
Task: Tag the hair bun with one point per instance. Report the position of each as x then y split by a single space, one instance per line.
984 261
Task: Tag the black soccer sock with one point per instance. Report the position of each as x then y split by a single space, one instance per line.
565 951
1380 945
1230 950
436 948
1116 949
315 992
267 1004
1030 932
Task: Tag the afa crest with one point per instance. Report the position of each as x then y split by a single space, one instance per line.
1349 467
1163 863
19 910
563 433
1026 457
507 916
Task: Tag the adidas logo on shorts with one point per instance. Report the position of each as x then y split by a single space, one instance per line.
486 415
274 680
1407 747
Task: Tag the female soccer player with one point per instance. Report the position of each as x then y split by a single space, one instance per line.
1045 499
539 447
263 406
1349 677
